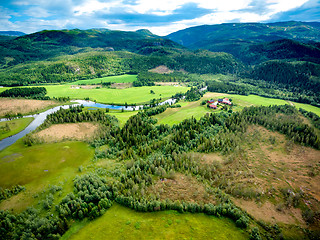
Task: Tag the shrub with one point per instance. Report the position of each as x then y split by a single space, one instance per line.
255 235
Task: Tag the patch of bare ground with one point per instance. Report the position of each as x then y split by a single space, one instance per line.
67 131
208 158
121 85
23 106
268 212
272 167
182 188
85 86
161 69
167 83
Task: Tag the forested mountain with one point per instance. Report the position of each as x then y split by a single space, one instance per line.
68 55
255 42
46 44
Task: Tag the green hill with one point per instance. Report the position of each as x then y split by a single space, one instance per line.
255 42
47 44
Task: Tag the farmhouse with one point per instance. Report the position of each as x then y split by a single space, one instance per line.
225 101
214 104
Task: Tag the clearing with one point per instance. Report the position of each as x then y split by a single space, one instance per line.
270 169
180 187
161 69
126 78
13 127
68 131
123 223
188 109
23 106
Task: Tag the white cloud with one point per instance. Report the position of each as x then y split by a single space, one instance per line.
284 5
37 12
94 13
91 6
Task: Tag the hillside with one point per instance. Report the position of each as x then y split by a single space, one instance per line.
68 55
46 44
254 42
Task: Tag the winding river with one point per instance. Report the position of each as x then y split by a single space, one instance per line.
39 118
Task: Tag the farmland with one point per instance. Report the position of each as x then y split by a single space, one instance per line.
135 95
195 109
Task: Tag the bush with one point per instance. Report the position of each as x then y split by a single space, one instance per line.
242 222
255 235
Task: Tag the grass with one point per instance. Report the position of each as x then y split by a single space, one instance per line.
136 95
22 165
175 115
188 109
308 107
115 79
123 116
38 166
16 126
122 223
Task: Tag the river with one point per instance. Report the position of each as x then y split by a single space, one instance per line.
39 118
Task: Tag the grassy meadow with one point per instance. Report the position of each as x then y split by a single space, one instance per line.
115 79
38 166
122 116
119 222
15 126
136 95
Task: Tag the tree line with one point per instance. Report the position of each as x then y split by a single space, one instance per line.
30 92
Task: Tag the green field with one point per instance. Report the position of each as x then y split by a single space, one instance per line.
38 166
16 126
122 223
122 116
136 95
115 79
188 109
308 107
194 109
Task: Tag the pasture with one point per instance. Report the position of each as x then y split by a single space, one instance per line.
15 126
123 223
136 95
194 109
115 79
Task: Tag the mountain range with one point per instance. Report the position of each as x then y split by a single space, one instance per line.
255 42
54 55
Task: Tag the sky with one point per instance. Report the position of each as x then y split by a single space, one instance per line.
161 17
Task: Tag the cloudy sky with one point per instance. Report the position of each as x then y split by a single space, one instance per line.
159 16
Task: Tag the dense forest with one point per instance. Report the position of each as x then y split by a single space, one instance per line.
32 92
157 151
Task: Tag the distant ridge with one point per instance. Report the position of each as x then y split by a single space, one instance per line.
255 42
12 33
250 32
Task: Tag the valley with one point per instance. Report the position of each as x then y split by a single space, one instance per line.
234 154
